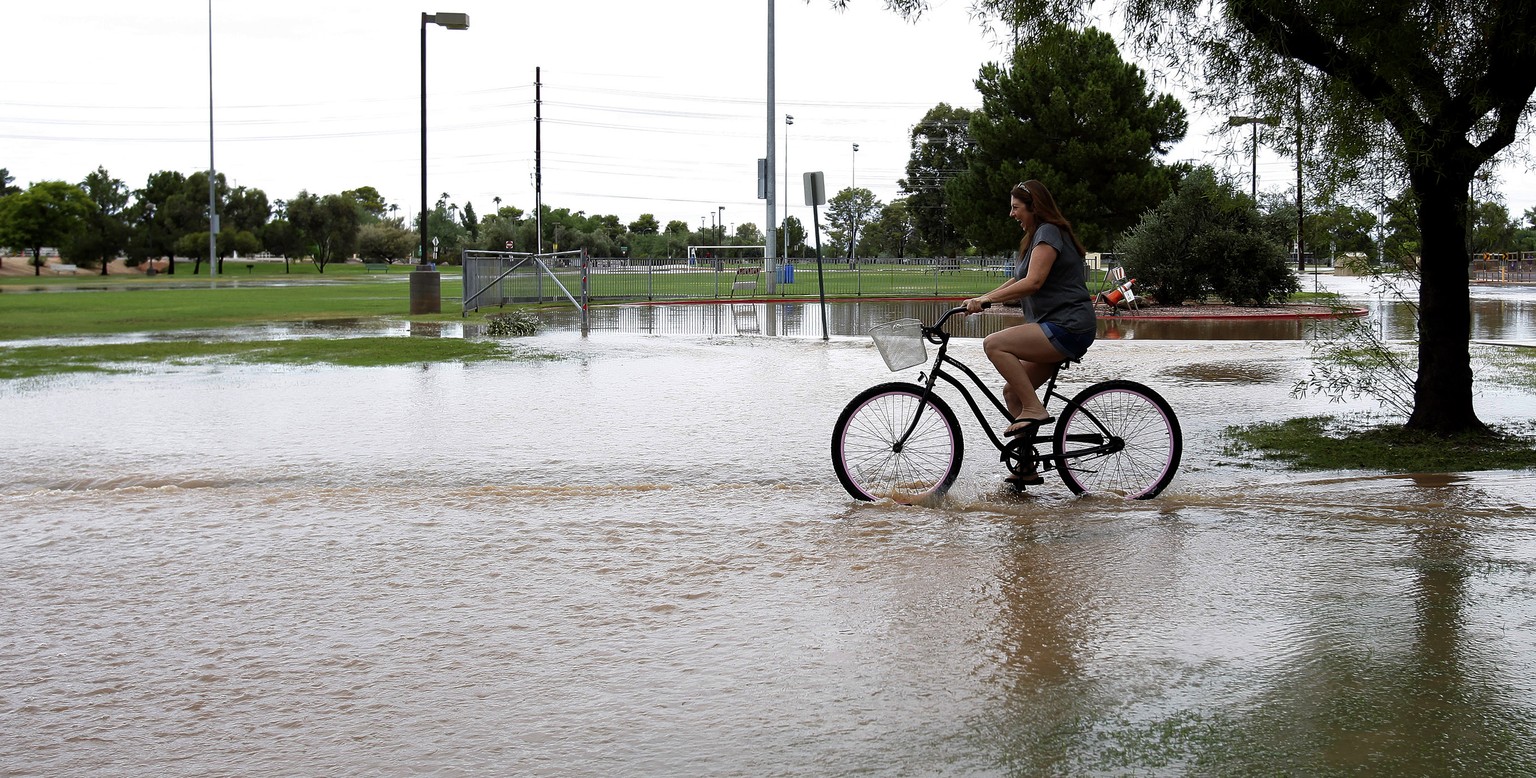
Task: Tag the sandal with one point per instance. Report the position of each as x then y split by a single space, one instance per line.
1016 481
1027 426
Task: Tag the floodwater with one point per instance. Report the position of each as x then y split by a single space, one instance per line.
630 556
1498 314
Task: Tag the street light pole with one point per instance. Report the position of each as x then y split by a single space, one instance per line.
853 235
720 227
213 206
1254 122
426 284
788 120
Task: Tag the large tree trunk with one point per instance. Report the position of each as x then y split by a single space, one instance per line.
1442 394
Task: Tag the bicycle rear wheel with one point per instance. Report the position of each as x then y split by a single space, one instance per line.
1118 437
865 452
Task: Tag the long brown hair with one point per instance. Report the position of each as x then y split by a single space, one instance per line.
1039 201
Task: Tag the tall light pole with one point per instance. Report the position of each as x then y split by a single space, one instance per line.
770 250
1254 121
426 284
853 237
788 120
720 227
213 206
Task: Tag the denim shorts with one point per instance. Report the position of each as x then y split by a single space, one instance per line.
1074 345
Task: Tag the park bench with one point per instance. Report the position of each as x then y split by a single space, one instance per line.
375 267
62 269
944 267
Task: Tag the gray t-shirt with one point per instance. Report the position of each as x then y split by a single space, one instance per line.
1063 298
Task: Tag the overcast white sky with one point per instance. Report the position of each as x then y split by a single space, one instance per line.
648 107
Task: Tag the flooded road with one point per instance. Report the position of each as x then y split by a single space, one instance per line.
633 558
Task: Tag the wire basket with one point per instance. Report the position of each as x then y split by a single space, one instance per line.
900 343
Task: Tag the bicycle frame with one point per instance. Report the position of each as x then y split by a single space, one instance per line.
937 335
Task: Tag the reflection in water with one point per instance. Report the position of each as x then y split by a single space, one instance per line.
803 319
1499 314
635 560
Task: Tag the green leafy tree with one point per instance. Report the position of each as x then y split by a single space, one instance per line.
231 241
443 226
371 205
890 234
384 241
1492 229
470 222
280 237
1068 111
43 215
1343 229
1525 231
7 183
847 211
191 206
609 225
104 233
327 224
1330 230
159 217
1206 239
1403 245
245 209
497 229
645 225
793 235
941 146
242 214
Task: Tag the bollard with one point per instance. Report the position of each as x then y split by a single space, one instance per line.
426 290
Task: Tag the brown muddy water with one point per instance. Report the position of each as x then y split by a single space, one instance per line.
631 557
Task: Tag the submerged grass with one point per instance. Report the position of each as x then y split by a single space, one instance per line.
33 361
1515 366
1328 443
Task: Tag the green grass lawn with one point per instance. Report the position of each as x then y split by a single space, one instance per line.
156 305
1327 443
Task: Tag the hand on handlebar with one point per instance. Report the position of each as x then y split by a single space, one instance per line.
975 305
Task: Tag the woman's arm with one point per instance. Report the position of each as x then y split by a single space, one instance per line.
1040 262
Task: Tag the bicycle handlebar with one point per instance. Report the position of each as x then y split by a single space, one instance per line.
938 327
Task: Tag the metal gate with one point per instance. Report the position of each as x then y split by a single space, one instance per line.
495 278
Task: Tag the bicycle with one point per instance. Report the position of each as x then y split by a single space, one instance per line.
902 441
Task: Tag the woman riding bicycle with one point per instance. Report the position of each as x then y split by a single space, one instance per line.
1059 324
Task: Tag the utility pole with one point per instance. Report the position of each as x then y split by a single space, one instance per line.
1301 262
538 161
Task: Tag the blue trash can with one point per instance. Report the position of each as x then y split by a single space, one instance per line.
786 274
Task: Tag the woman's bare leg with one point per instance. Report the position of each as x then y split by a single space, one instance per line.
1038 373
1023 356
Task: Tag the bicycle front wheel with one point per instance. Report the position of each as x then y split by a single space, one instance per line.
874 462
1118 437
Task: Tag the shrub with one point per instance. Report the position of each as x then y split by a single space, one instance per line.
515 324
1207 239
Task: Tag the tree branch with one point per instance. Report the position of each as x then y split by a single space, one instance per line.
1287 32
